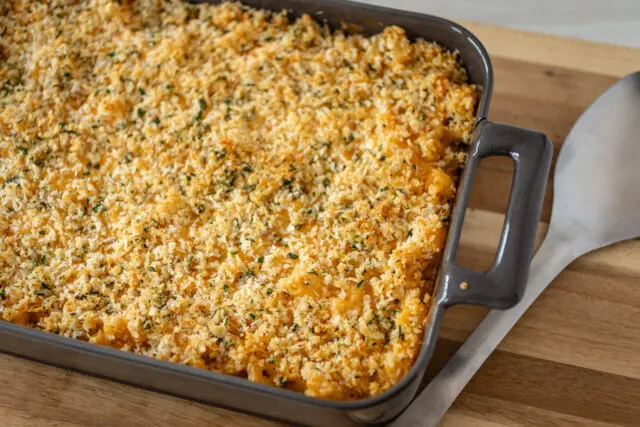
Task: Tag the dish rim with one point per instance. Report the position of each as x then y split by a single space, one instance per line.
436 310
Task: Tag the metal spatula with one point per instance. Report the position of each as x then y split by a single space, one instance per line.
596 203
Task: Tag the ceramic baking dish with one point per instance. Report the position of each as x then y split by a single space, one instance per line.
500 287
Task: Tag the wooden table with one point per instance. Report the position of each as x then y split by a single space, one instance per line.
574 359
596 20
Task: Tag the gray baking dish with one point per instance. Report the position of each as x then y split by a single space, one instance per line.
500 287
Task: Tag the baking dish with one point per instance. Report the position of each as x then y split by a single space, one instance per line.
499 287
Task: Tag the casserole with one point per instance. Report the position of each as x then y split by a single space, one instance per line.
455 284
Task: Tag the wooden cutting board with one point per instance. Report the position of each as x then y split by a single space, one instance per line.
574 359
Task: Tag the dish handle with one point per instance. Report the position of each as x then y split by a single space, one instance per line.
503 285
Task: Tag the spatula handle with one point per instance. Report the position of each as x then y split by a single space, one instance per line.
430 406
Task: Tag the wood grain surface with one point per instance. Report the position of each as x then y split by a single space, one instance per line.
595 20
574 359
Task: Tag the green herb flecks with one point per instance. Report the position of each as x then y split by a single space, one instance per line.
203 107
13 179
146 324
288 183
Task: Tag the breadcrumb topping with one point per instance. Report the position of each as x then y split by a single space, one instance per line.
219 186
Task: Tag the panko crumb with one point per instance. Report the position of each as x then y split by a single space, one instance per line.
221 187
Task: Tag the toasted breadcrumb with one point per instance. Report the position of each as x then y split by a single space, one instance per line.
224 188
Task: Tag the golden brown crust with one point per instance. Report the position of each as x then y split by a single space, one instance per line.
216 186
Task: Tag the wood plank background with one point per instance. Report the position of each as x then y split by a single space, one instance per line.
574 359
608 21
